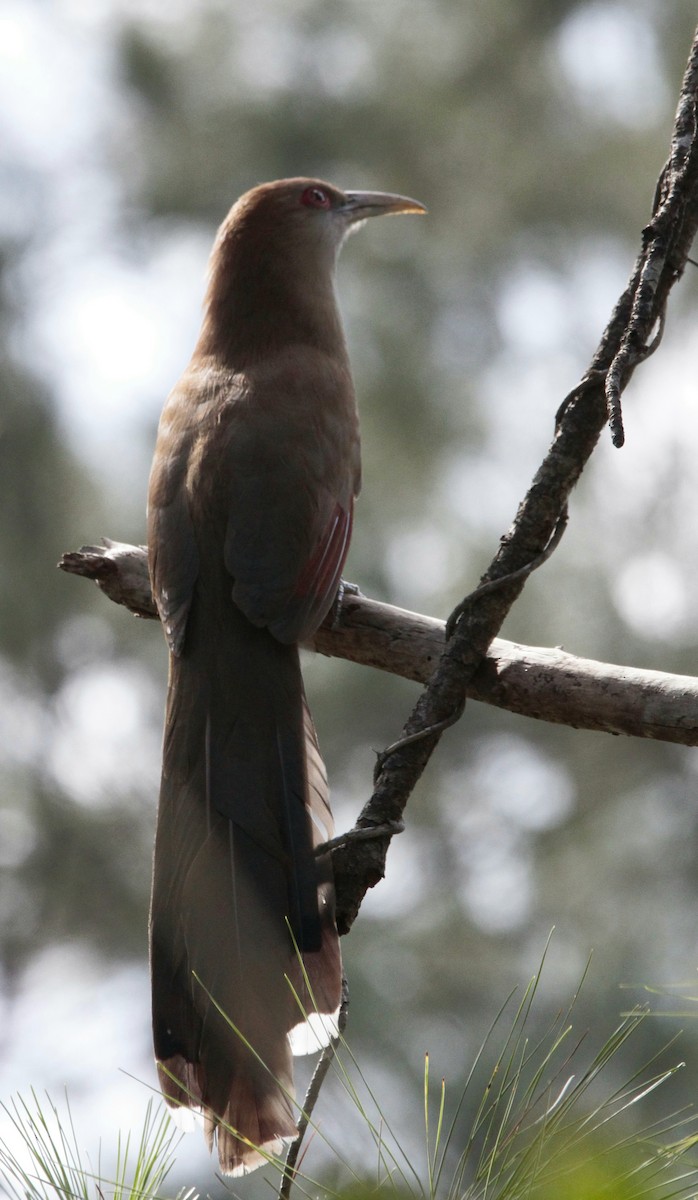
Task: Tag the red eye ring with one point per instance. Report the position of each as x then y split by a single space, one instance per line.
315 197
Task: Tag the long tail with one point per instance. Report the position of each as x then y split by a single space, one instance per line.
243 801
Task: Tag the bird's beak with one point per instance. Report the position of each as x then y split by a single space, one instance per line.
359 205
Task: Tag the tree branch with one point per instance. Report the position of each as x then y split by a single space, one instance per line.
546 684
666 242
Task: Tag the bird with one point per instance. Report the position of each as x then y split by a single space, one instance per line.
250 506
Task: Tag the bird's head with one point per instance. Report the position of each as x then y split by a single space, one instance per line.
307 215
272 266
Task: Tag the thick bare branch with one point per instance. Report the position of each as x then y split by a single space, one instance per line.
547 684
119 570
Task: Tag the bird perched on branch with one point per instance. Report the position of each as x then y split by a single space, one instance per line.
250 505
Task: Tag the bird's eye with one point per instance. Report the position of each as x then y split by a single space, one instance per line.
315 197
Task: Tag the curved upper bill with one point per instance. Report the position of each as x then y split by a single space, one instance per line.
359 205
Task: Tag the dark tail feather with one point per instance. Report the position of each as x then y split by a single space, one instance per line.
243 802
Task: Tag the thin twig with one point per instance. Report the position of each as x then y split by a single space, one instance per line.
512 577
428 731
438 727
387 829
318 1078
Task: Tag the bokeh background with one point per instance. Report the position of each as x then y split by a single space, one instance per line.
534 132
